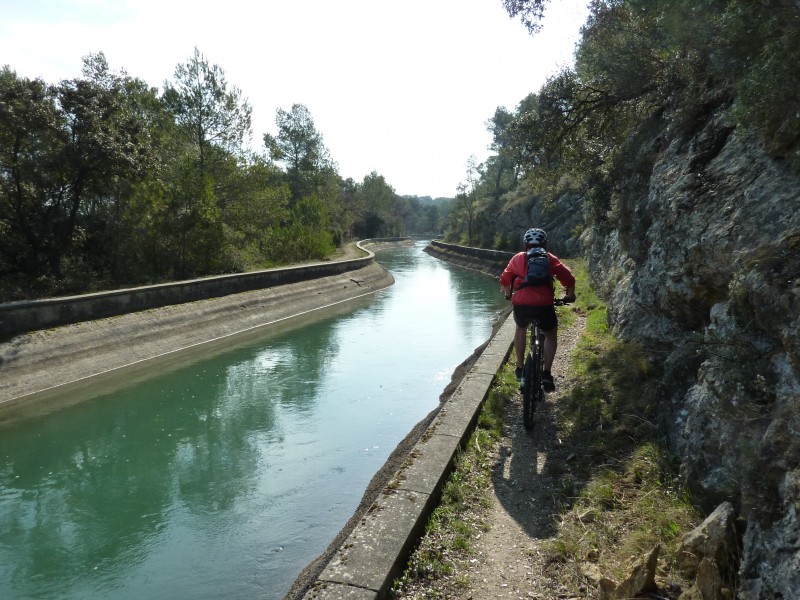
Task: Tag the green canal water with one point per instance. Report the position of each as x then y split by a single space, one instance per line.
224 478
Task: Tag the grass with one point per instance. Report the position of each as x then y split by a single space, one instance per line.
629 498
617 499
620 514
454 525
624 495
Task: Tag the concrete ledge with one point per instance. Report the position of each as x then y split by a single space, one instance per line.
52 366
490 262
19 317
376 551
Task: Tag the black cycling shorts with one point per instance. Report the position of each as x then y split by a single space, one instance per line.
524 315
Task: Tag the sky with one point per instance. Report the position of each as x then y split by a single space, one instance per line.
403 87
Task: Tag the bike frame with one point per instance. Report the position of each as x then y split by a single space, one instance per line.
531 387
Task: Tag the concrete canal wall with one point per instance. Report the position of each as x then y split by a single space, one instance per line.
490 262
21 317
373 549
38 363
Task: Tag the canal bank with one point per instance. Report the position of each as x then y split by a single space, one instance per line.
371 551
425 471
488 262
39 366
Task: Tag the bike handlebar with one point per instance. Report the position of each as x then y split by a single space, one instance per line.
557 302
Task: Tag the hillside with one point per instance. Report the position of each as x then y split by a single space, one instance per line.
669 155
706 279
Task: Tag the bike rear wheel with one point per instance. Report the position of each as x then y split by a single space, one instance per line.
532 391
528 394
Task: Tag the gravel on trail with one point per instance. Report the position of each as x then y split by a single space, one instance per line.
506 560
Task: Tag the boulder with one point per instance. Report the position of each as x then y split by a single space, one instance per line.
642 577
714 539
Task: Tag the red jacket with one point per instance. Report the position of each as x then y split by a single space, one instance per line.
538 295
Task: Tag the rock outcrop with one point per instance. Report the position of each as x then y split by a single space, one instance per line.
562 220
701 265
708 555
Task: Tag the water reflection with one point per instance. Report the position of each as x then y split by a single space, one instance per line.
227 476
90 490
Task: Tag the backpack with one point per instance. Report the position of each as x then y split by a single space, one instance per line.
538 268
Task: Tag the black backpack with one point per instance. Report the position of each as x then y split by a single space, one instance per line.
538 268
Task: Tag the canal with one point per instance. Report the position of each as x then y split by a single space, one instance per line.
226 477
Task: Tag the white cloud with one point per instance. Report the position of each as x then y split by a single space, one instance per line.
403 88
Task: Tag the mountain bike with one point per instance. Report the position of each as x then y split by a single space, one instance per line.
531 384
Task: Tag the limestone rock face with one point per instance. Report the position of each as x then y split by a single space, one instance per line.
562 220
701 264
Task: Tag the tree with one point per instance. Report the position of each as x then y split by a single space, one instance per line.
762 53
430 221
260 201
116 129
71 157
530 12
299 146
503 166
402 215
31 136
377 198
216 122
467 197
349 209
209 112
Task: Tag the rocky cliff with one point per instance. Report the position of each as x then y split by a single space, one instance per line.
700 261
562 220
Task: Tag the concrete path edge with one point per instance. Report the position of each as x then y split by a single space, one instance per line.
375 553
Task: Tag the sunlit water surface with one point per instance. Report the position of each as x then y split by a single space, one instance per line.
226 477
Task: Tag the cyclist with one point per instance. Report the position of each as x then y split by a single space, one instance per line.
536 301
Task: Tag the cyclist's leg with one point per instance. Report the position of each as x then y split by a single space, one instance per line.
519 344
522 321
550 334
550 347
548 355
548 322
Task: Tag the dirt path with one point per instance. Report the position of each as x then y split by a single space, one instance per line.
507 561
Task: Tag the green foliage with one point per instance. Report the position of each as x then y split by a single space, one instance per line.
69 157
306 237
763 59
300 147
205 108
104 184
645 72
381 211
30 138
530 12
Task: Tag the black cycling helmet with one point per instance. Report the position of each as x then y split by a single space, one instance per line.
534 238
